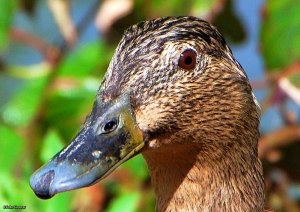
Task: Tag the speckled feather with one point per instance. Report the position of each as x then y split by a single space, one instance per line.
201 124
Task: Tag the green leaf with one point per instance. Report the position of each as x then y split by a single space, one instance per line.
280 33
51 145
10 144
137 166
84 59
8 190
203 7
6 14
67 107
23 106
59 203
125 202
167 8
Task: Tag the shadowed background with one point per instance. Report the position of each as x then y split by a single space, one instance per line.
53 55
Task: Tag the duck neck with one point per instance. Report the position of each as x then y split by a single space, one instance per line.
190 179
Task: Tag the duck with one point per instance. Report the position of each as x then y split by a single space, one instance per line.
174 93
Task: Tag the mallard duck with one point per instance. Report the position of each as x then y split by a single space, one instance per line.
174 93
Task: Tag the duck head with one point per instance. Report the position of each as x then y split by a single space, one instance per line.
171 80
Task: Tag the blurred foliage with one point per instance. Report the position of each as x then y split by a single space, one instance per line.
6 15
280 34
24 105
295 78
229 24
44 101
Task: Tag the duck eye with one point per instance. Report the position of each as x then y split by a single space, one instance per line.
110 126
187 59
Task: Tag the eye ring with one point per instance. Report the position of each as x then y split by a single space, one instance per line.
187 59
110 126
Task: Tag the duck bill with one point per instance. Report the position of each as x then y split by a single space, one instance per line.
92 154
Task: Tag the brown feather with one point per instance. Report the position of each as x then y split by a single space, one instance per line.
201 124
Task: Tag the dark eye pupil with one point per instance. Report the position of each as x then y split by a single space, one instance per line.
188 60
109 126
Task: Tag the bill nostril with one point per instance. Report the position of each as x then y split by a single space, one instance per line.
41 185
